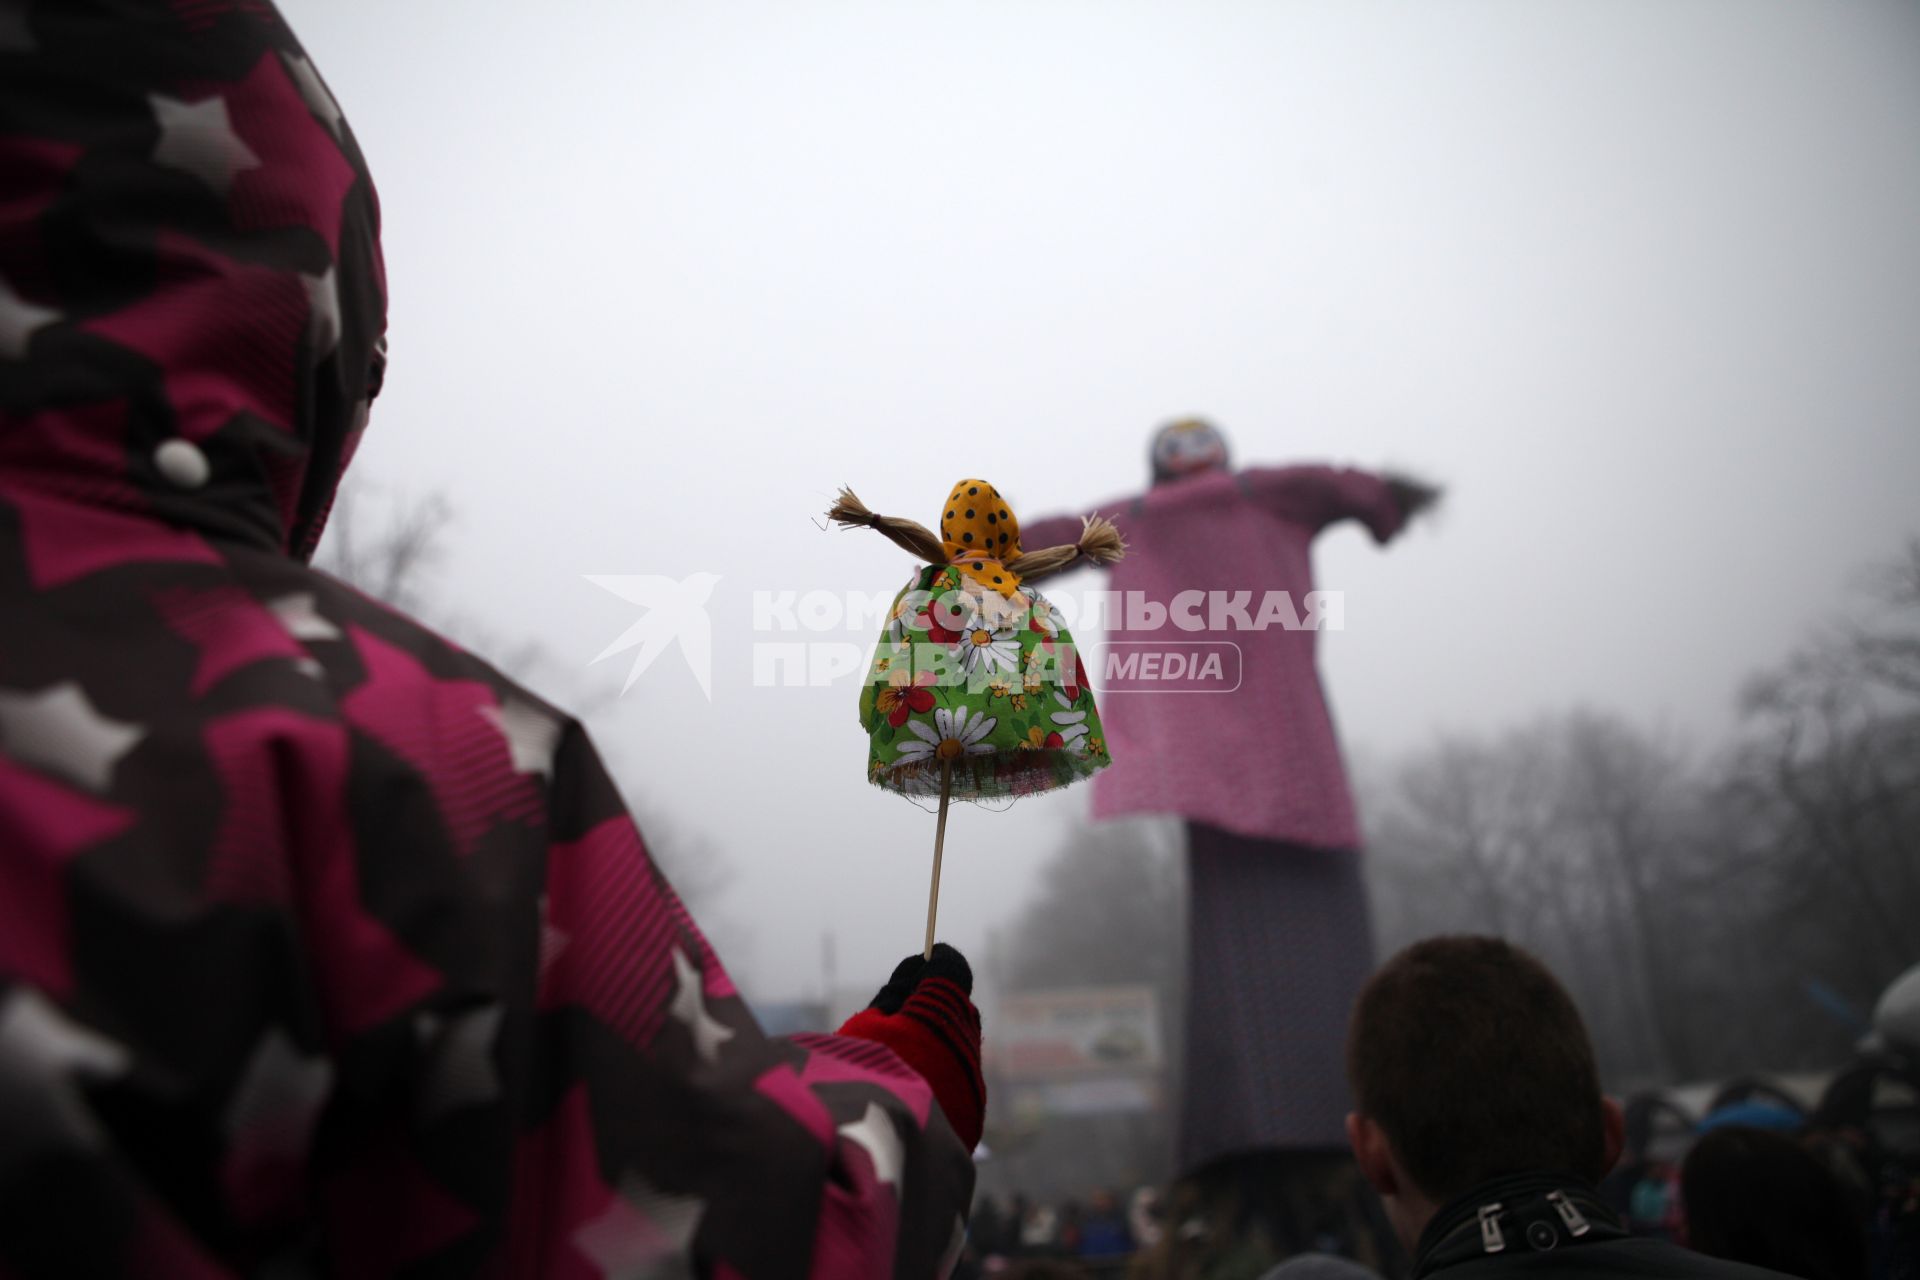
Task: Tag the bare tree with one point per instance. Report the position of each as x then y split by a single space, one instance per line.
388 558
1832 757
1703 913
1544 834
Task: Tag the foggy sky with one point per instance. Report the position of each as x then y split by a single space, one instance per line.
1639 283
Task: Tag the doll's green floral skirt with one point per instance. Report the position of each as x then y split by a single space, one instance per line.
987 690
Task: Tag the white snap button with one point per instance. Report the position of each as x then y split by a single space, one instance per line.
182 462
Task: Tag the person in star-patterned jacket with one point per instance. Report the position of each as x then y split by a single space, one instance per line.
324 948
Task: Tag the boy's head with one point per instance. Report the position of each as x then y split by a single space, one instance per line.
1467 1060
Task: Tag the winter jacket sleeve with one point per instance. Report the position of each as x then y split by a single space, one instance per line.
343 955
822 1146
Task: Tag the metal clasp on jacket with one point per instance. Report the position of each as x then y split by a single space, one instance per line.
1491 1241
1576 1221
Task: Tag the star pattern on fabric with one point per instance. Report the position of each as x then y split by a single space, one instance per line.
301 617
460 1070
689 1008
49 823
228 627
20 319
323 310
643 1234
198 138
531 734
59 730
277 1101
256 314
406 709
318 97
874 1132
47 1052
604 898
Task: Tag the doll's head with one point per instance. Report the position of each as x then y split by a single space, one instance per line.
978 531
980 536
1186 447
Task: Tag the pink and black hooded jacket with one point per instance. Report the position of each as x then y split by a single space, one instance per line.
324 948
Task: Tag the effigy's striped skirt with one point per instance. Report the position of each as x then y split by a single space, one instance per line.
1278 945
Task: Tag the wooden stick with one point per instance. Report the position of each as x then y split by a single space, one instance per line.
939 842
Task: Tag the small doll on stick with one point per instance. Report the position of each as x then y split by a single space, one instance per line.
976 691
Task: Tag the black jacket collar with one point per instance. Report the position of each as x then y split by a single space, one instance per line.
1518 1213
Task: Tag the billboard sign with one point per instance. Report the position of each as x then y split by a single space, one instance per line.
1076 1033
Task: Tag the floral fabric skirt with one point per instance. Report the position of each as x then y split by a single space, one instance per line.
984 690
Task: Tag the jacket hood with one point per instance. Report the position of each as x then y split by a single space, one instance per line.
192 299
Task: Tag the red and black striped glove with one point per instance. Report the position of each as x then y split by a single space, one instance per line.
925 1014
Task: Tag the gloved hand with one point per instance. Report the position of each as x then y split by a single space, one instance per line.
925 1014
1410 495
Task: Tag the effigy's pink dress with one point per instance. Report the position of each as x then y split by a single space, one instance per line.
1279 938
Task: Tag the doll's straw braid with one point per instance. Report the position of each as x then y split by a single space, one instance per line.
848 511
1099 540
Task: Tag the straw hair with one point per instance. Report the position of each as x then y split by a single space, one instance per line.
1099 542
851 513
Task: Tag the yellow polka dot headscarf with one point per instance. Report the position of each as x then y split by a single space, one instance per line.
981 534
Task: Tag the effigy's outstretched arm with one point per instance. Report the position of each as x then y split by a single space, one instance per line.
1318 496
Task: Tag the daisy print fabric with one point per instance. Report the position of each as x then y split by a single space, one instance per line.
984 686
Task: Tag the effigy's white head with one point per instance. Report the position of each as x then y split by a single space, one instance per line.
1185 447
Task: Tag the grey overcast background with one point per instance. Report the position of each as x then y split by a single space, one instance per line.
1638 282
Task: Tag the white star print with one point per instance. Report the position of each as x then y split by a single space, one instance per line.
42 1049
323 310
643 1234
531 735
37 1038
19 321
198 138
690 1009
875 1132
278 1100
460 1071
298 614
319 100
57 729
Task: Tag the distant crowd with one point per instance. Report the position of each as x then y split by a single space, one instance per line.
1480 1124
1099 1230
